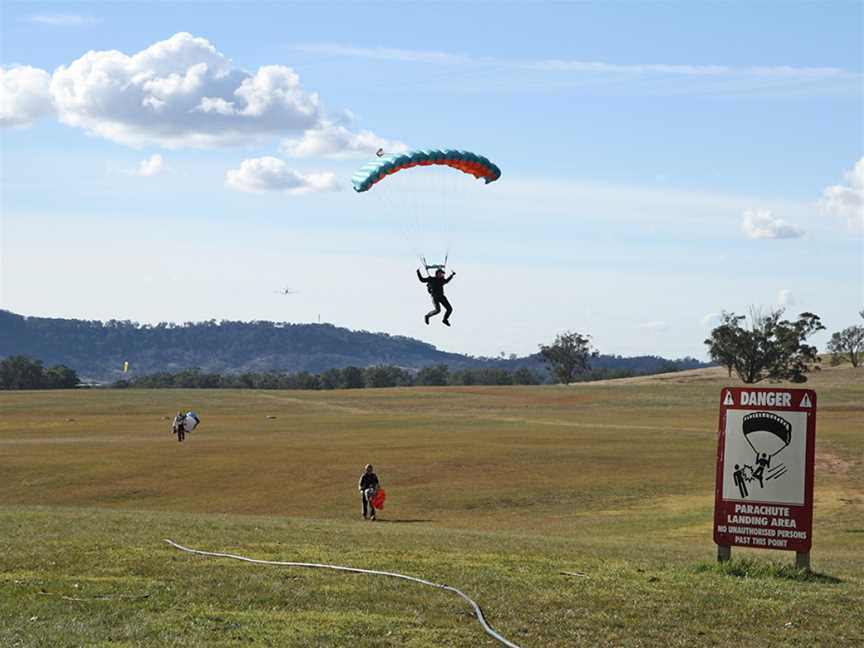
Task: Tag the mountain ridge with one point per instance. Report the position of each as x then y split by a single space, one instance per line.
97 350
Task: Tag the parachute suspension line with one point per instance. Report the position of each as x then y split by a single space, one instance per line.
440 189
394 203
449 190
442 173
452 182
428 209
355 570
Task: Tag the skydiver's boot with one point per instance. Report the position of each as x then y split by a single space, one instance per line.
426 319
445 322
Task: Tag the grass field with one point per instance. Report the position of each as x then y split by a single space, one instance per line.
494 490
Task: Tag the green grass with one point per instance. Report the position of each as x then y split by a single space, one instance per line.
496 491
751 568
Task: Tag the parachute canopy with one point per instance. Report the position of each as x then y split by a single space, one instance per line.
465 161
767 432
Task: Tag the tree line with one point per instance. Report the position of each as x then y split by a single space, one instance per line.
21 372
767 347
346 378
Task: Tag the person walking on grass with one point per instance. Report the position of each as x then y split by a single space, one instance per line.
368 486
179 426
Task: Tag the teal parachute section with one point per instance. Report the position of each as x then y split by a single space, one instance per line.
465 161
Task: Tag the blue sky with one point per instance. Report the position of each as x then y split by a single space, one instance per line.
661 162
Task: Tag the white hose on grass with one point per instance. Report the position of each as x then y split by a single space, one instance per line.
354 570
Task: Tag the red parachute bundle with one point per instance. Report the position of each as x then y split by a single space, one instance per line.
378 499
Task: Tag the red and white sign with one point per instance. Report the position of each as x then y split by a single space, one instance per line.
764 492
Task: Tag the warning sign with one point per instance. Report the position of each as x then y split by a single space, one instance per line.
764 492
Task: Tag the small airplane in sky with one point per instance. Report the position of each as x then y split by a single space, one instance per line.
285 291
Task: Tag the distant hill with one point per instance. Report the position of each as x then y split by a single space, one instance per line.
97 350
828 376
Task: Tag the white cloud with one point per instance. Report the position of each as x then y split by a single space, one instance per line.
382 53
598 67
180 92
570 66
154 165
24 95
711 320
654 327
63 20
785 298
334 140
847 201
272 174
762 224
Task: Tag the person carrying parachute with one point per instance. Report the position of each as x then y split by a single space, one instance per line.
371 492
184 423
435 286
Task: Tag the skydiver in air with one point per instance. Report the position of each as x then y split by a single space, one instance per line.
435 286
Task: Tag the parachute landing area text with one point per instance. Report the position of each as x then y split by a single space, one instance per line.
774 529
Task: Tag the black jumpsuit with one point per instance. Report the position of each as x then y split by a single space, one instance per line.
435 285
368 480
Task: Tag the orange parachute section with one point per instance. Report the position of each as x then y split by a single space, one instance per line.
378 499
465 161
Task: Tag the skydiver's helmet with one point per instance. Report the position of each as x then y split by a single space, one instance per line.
439 272
368 468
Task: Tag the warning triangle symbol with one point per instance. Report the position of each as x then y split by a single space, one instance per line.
729 400
805 402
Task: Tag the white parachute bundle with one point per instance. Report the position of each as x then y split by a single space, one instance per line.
190 421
